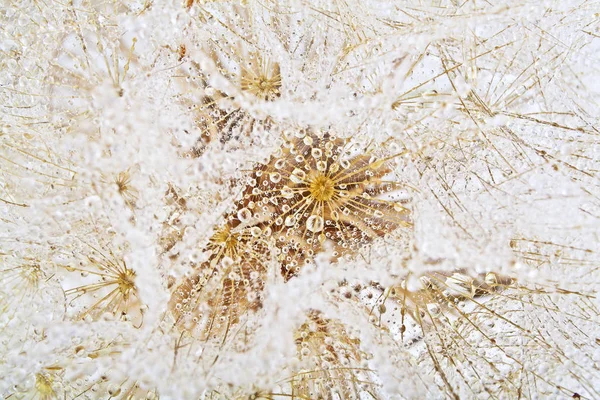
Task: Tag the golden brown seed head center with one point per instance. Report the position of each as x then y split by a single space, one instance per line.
226 239
126 281
322 188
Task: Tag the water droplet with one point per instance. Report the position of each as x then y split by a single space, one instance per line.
279 164
290 220
314 223
434 309
244 214
287 192
316 153
491 279
321 166
227 262
255 231
398 207
114 390
297 176
275 177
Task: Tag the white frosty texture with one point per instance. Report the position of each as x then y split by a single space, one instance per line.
493 106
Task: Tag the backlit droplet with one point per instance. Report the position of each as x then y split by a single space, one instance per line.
244 214
275 177
279 164
298 176
314 223
287 192
316 153
491 279
434 309
321 166
398 207
290 220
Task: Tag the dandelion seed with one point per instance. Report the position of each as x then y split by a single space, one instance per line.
112 291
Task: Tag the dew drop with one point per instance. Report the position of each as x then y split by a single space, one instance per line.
244 214
275 177
315 224
433 309
287 192
279 164
297 176
114 390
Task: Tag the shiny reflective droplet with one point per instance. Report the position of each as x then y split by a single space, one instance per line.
287 192
244 214
398 207
275 177
279 164
297 176
315 223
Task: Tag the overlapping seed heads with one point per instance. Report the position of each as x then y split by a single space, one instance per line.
317 191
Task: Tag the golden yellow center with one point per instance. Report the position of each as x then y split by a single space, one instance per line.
226 239
43 385
126 281
322 188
